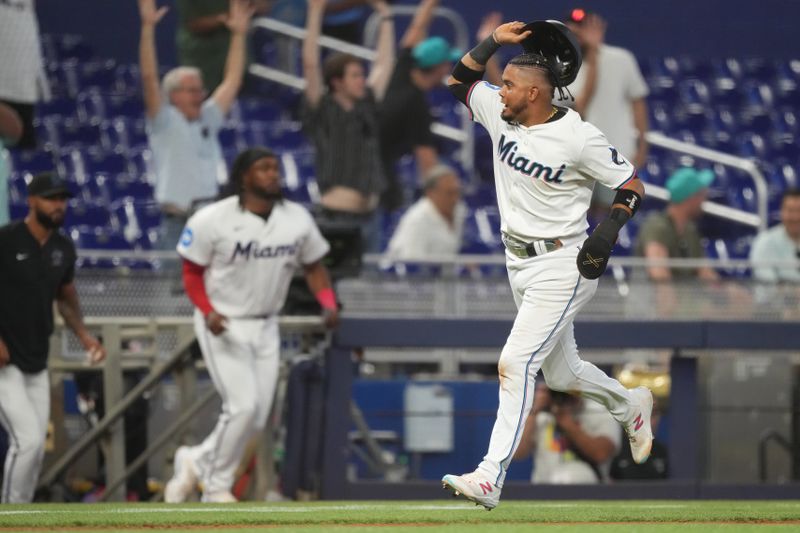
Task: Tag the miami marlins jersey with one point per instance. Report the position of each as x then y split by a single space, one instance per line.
544 174
250 261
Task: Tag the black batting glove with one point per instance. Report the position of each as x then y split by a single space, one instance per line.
596 250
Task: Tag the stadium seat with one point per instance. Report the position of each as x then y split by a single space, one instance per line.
99 238
86 213
123 185
59 48
74 134
33 161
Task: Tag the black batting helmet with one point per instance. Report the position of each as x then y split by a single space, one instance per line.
555 42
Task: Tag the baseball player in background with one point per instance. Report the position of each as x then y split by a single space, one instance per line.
37 268
546 162
239 255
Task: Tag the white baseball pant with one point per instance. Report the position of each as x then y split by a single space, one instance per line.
548 292
24 412
243 364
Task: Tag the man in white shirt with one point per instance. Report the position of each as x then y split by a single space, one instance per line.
23 82
610 92
182 125
434 225
780 243
573 439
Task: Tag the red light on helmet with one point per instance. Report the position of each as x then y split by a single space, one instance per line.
577 15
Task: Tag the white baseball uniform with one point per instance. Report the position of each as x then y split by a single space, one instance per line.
249 264
544 176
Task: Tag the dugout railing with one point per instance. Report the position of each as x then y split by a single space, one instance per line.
299 334
450 314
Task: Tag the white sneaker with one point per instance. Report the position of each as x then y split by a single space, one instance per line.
219 497
184 478
639 431
473 487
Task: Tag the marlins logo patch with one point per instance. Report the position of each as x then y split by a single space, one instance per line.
615 156
187 237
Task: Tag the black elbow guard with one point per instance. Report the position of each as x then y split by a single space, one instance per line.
626 204
466 75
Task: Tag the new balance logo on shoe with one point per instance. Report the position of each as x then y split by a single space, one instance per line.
486 487
638 422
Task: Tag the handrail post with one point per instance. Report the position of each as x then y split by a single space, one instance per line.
113 389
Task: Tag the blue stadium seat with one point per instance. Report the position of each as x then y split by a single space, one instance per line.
123 134
33 161
694 92
97 74
122 185
74 134
61 47
18 187
135 217
759 68
61 106
123 105
697 68
94 238
86 213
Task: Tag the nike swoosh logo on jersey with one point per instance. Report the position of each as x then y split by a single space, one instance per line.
22 257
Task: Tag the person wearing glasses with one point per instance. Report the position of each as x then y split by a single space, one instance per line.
183 122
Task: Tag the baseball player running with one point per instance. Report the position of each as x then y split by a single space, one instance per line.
546 162
239 255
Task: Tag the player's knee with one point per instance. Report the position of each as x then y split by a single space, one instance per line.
30 443
511 364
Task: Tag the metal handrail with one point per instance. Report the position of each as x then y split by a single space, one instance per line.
737 215
115 329
463 135
457 260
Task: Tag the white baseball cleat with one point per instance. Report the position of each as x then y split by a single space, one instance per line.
219 497
184 478
473 487
640 433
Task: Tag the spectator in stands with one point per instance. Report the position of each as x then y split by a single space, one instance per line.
37 266
434 225
780 243
673 233
23 81
573 439
343 123
10 132
182 124
203 36
609 92
405 117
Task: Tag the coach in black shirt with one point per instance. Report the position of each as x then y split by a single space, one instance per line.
37 265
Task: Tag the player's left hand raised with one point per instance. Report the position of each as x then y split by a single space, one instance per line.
594 254
511 33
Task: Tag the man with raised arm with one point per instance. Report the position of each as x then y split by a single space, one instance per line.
182 124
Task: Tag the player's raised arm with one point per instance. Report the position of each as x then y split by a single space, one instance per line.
311 66
238 23
472 66
148 62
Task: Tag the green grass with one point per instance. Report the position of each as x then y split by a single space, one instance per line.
454 516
